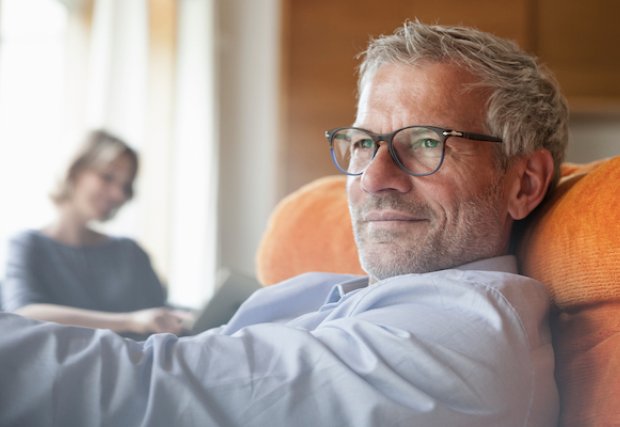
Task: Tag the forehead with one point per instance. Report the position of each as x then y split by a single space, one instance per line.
123 163
441 94
117 163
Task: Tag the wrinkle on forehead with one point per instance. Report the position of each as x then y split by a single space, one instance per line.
440 94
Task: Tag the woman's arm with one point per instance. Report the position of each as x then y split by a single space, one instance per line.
150 320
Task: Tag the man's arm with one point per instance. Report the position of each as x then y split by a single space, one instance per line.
374 365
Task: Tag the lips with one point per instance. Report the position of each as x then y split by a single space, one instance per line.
380 216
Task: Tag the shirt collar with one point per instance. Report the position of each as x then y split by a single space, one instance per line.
506 264
341 289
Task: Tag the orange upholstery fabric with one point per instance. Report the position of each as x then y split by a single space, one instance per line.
310 230
587 353
571 244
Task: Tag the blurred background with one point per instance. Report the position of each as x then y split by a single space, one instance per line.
227 102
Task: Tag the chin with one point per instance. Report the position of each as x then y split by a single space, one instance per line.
381 267
104 216
386 262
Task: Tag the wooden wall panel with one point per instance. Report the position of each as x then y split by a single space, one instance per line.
579 41
320 42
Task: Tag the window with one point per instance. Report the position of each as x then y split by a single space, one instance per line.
31 109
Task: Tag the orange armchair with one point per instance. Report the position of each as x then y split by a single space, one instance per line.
571 244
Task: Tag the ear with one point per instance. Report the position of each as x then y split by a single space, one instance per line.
531 175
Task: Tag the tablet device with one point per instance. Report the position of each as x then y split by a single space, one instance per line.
233 288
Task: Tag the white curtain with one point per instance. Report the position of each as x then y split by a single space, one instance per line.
194 213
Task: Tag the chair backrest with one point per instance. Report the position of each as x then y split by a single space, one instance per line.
571 244
310 230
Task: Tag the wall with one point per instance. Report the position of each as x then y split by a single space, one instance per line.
249 177
593 137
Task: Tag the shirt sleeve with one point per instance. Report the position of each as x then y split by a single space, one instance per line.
22 285
465 364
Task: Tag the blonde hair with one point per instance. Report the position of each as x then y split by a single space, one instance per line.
525 107
99 149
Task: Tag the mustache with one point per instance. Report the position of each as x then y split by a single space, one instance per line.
391 202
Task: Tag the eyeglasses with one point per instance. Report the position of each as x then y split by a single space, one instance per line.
417 150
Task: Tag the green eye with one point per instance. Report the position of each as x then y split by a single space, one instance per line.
363 144
429 143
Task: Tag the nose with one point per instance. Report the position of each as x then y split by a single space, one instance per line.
384 174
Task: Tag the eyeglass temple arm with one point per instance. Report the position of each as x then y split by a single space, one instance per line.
473 136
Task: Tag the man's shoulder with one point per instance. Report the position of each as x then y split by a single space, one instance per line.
497 277
494 284
508 298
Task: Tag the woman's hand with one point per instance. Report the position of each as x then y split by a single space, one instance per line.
159 319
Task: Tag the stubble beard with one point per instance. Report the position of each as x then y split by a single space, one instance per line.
477 234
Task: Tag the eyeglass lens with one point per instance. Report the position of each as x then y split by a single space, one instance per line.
418 149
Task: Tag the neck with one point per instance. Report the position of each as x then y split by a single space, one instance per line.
72 229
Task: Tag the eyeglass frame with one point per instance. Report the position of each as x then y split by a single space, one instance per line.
389 137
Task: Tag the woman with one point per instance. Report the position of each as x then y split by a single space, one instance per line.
69 273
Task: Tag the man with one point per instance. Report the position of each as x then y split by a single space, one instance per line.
457 135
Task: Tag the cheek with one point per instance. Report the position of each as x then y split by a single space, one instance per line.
437 191
463 177
448 199
354 191
86 187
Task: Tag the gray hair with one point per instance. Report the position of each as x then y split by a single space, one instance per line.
525 107
99 149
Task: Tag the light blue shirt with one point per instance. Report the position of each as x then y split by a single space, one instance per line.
460 347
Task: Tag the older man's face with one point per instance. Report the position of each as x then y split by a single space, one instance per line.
405 224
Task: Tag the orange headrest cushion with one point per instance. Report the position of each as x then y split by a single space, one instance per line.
310 230
572 244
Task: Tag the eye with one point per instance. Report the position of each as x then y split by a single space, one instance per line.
418 143
363 144
108 178
429 143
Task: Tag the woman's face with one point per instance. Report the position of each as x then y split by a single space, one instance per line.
99 193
